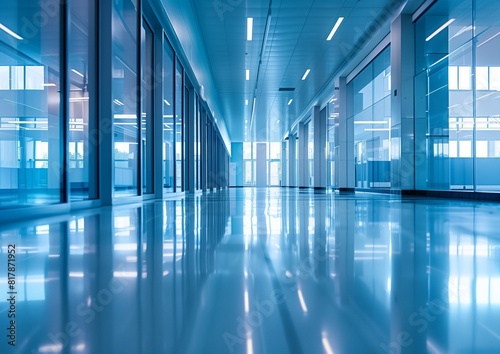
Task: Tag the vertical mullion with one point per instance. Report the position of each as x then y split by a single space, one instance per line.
64 106
138 98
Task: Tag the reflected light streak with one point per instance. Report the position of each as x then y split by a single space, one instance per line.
249 346
326 344
247 303
302 302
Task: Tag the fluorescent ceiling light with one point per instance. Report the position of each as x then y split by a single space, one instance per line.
306 74
166 102
248 74
290 102
371 122
249 29
76 99
335 28
10 32
49 84
436 32
377 130
277 123
246 102
77 72
118 102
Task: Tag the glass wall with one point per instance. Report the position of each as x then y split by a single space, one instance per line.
168 117
310 153
274 163
31 148
332 115
82 149
249 153
369 102
457 83
125 101
179 121
54 141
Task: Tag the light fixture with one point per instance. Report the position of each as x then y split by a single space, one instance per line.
436 32
306 74
10 32
249 29
77 72
166 102
371 122
246 102
335 28
290 102
277 122
49 84
118 102
248 74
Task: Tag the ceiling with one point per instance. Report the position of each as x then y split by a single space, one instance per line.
297 41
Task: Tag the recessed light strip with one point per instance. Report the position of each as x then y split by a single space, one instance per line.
306 74
248 74
249 29
10 32
436 32
335 28
290 102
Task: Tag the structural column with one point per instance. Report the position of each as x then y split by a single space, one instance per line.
320 131
402 103
303 171
292 161
191 126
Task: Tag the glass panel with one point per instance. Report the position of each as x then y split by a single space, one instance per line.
30 106
147 119
125 100
310 151
83 152
168 117
178 126
488 100
332 116
372 121
445 127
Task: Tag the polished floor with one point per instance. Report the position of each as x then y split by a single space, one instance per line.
259 271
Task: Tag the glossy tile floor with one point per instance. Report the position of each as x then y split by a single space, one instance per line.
259 271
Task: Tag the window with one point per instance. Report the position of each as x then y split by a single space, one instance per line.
482 78
482 148
464 78
465 149
76 154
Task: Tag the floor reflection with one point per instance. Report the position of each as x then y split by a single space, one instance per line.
259 271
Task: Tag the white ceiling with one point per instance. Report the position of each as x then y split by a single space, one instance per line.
297 41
